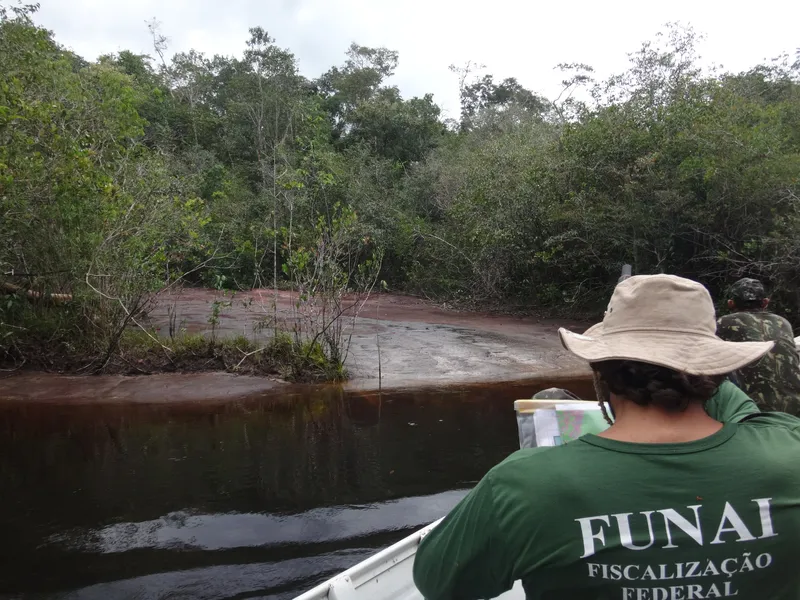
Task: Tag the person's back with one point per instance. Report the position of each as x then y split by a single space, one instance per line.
774 381
598 518
669 503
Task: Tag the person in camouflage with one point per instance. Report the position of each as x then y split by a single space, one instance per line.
774 381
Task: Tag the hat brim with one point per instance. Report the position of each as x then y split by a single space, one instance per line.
691 353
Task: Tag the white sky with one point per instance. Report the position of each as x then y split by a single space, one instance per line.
523 39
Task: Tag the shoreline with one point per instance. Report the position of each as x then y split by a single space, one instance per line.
222 388
398 344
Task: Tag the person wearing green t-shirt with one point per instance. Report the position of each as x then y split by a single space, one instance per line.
688 495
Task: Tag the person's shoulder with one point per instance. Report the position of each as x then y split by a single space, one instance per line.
730 404
735 327
777 321
774 316
730 317
543 460
734 321
525 455
739 318
778 421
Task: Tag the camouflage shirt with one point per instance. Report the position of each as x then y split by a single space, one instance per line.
774 381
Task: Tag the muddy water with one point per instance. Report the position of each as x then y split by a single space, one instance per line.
261 498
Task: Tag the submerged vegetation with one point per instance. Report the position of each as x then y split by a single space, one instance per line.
130 175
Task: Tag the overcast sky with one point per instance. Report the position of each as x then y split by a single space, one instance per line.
523 39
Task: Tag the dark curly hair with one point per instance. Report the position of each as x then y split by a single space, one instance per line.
652 385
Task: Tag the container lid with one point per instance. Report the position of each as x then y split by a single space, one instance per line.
528 405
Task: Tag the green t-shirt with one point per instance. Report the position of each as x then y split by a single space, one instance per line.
729 404
601 519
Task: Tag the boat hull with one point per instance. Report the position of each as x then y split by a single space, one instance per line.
388 575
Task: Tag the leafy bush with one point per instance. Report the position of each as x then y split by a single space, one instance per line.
119 179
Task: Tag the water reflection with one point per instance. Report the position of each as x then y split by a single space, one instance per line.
258 499
273 581
182 531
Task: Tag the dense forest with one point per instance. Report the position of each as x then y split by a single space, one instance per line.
127 175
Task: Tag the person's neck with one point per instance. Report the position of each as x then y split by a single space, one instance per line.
652 425
755 309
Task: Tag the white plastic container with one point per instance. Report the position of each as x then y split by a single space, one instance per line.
540 424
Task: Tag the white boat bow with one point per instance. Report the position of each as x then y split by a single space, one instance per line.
388 575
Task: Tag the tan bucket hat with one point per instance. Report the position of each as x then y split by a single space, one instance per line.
663 320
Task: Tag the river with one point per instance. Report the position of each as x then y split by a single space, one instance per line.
259 498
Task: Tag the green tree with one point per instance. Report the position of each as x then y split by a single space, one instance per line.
358 80
85 206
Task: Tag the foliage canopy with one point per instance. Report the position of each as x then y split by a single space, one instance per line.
122 176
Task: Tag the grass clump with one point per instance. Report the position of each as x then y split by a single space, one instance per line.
280 356
64 339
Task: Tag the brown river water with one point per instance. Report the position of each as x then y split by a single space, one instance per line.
259 497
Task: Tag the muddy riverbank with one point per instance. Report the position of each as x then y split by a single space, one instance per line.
403 337
411 342
209 389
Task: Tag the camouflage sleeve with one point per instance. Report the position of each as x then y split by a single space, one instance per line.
729 404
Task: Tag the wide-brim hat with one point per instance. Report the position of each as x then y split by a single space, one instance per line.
663 320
